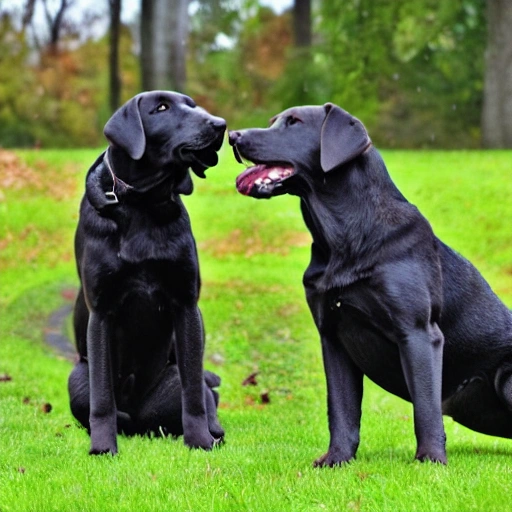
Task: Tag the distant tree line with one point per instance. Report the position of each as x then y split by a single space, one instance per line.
428 73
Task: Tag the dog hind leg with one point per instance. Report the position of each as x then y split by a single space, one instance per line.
212 401
79 400
484 406
78 388
161 408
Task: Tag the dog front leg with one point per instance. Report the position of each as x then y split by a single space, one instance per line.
189 355
421 356
344 396
102 418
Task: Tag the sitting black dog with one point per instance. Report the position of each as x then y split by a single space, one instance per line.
138 327
389 299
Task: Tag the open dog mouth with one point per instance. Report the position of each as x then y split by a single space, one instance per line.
202 159
262 179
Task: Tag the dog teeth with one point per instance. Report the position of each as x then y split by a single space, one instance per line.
280 173
262 181
273 175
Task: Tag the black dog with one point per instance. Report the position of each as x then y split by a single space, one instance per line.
389 299
138 328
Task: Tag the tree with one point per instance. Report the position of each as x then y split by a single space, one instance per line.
164 31
497 105
115 79
55 23
412 71
300 82
302 23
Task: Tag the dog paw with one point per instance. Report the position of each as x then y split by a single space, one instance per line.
212 379
332 459
216 431
203 441
103 437
95 450
432 456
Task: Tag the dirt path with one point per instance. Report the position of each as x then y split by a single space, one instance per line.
55 332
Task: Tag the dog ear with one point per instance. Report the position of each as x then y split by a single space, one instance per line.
125 129
343 138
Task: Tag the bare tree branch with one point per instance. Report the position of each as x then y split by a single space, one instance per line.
55 22
28 13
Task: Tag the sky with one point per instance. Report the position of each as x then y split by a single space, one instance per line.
129 13
129 7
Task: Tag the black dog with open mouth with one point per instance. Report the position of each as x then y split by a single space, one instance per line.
138 328
389 299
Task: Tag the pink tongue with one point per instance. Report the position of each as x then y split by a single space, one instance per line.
245 181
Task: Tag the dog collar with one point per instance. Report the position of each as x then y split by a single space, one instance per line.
111 194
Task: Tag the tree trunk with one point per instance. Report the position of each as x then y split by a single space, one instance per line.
497 104
302 23
299 65
115 79
146 44
164 31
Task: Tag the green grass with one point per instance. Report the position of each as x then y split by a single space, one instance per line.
252 255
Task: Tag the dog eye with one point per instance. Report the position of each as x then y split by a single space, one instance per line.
162 107
292 120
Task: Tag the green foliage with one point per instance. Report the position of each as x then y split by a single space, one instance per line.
57 99
15 118
356 35
252 256
304 80
236 81
412 71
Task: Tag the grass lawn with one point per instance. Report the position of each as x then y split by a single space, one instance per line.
252 256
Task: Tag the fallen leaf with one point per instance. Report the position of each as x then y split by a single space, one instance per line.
46 408
265 397
250 380
68 294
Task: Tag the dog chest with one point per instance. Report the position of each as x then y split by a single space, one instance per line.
108 283
372 351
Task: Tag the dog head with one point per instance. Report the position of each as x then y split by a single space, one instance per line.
165 129
300 142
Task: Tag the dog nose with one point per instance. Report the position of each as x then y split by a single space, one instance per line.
233 137
218 123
